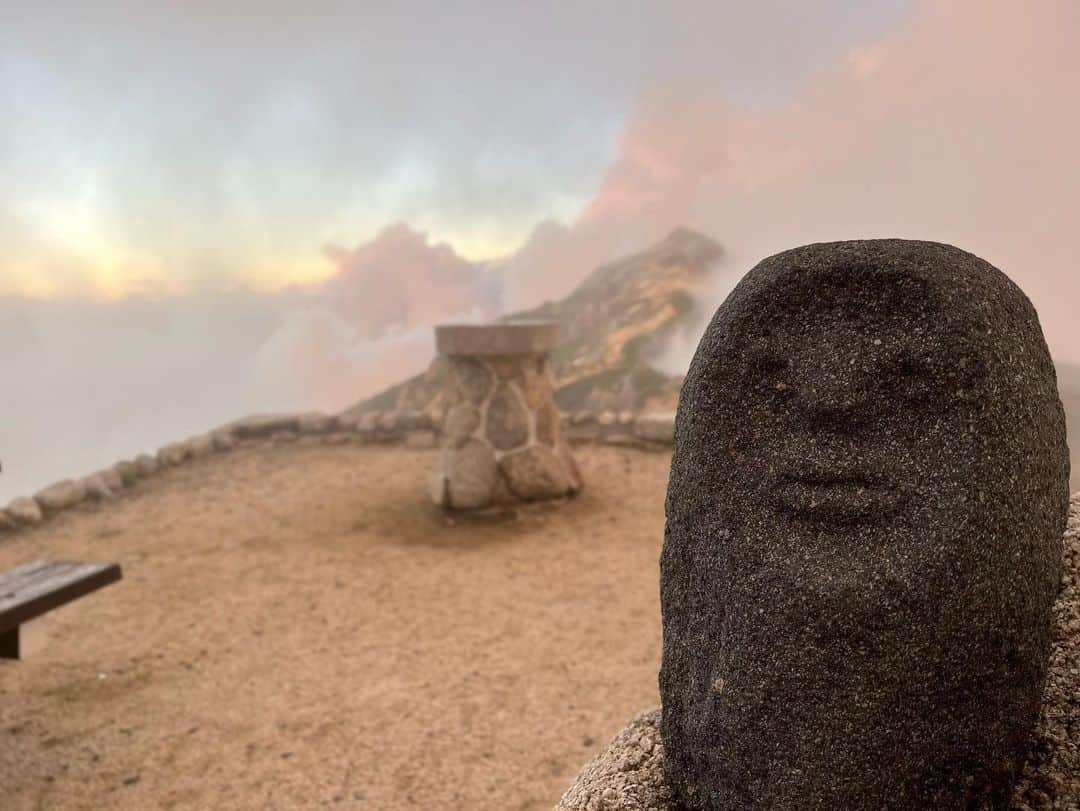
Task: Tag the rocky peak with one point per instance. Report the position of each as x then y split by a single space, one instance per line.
617 320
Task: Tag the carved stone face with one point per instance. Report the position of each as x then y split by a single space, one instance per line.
867 496
837 381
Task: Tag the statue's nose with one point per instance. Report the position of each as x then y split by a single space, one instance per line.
830 406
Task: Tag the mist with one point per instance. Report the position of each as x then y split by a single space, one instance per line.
91 382
960 125
277 225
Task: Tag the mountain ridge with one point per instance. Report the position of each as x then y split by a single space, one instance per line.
617 322
612 326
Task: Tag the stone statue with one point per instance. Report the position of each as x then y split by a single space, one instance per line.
864 522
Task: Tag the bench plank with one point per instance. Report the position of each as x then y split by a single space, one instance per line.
35 588
9 645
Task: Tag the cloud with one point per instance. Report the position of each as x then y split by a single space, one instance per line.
90 382
399 280
369 325
959 125
192 145
593 130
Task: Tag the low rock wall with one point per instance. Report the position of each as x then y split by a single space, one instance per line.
415 430
622 428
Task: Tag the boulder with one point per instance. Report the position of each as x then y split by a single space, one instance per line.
656 427
507 424
223 440
461 423
200 446
146 464
96 488
474 379
627 776
316 423
173 454
128 471
388 423
535 473
61 495
470 473
367 424
25 511
262 426
112 479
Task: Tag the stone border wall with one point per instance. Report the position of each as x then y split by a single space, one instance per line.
622 428
404 428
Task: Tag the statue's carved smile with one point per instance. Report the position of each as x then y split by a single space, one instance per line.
837 496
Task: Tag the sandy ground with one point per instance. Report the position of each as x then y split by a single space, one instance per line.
299 628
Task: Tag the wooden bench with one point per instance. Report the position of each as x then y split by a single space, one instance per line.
33 589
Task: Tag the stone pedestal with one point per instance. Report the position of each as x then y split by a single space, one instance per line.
501 437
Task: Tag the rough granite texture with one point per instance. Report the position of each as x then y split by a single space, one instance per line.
629 774
502 442
868 491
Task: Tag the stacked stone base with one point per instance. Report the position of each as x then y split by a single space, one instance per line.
502 439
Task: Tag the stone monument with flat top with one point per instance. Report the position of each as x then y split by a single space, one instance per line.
502 440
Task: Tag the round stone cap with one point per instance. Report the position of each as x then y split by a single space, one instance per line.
511 338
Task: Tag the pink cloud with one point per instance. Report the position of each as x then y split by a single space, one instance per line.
959 126
399 280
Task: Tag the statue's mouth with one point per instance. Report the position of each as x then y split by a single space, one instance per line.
837 497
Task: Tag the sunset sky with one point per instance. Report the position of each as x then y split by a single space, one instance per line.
209 209
164 146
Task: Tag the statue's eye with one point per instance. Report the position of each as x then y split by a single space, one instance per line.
768 373
771 364
763 363
911 377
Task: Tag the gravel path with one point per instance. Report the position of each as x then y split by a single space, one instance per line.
299 628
